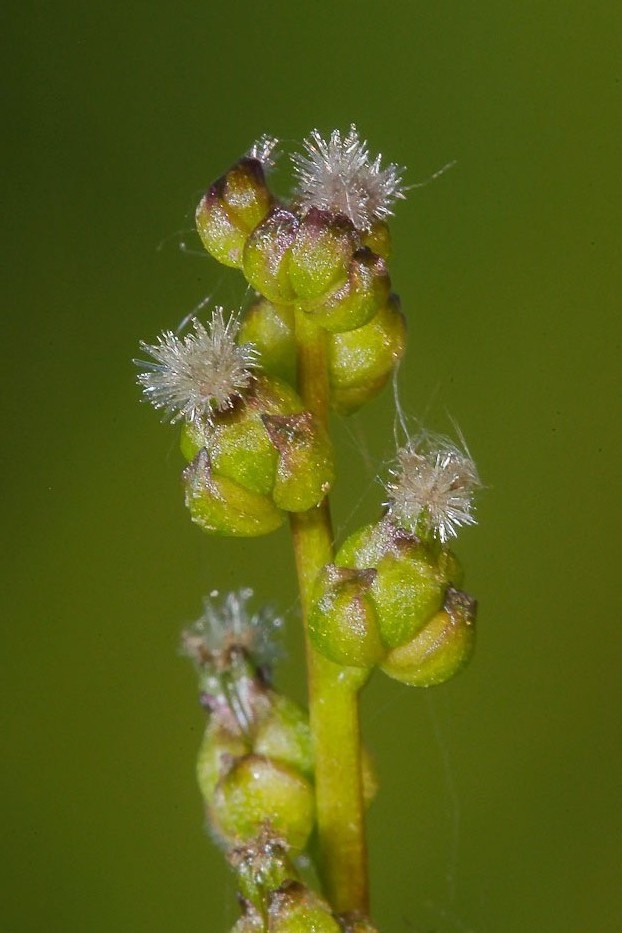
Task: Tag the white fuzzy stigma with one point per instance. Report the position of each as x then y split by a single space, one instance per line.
194 376
339 175
433 487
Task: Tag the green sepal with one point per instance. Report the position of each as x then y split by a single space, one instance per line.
267 253
441 649
240 447
305 470
358 299
221 506
283 734
271 331
231 208
258 790
321 253
342 622
360 361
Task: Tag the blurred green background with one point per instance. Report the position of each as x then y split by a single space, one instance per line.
500 806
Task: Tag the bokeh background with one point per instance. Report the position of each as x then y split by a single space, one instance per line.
500 806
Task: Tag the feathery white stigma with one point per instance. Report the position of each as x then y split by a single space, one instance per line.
263 149
433 487
227 624
338 175
201 373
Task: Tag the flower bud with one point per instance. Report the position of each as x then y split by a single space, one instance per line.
257 790
410 580
304 471
283 734
271 331
221 506
342 623
231 209
440 649
294 908
360 361
321 253
267 255
355 302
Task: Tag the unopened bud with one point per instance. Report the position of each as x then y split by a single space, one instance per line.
221 506
304 471
410 580
440 649
271 331
321 253
257 790
355 302
231 209
342 623
360 361
267 255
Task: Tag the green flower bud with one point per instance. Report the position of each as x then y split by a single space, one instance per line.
360 361
409 584
342 623
271 331
257 790
294 908
321 253
221 506
284 735
355 302
440 649
219 751
231 209
304 471
267 255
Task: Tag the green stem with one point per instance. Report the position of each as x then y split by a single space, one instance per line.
333 701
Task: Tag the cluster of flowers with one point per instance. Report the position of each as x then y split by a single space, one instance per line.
255 769
255 452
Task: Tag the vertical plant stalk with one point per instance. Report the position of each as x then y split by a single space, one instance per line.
333 697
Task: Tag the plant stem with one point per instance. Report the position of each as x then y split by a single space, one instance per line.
333 701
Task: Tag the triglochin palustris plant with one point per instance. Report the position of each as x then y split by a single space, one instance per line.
253 392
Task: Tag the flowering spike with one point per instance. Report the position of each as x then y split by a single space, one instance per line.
433 486
194 376
338 175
